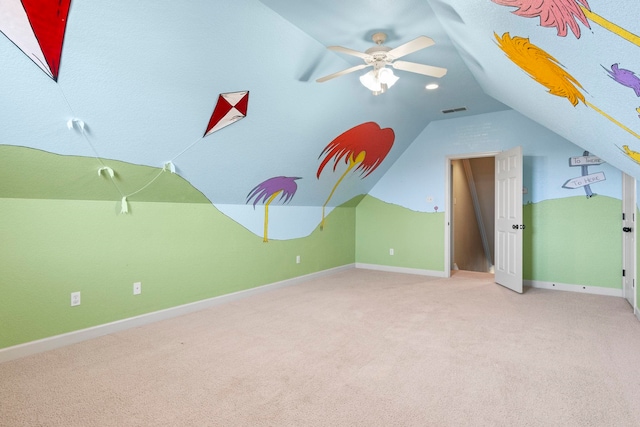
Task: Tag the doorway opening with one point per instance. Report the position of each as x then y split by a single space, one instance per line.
471 207
507 217
473 214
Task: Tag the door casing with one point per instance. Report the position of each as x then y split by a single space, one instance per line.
449 203
629 260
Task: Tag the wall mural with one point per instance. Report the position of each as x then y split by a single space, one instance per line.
230 108
633 155
541 66
552 13
585 179
625 77
561 14
268 190
365 145
37 28
546 70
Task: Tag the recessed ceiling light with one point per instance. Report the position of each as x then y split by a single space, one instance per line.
431 86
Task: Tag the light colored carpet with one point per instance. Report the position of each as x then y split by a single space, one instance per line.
359 348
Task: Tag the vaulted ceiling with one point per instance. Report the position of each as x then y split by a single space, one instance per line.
144 78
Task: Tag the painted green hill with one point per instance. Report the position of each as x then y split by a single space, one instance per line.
62 233
27 173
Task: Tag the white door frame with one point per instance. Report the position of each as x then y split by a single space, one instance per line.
449 205
629 240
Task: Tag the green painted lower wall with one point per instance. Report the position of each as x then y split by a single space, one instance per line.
573 240
186 252
417 238
181 252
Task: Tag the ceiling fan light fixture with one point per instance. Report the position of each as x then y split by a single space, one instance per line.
386 77
379 56
378 81
370 81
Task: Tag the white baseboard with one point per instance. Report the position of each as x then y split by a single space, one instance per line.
404 270
612 292
57 341
637 313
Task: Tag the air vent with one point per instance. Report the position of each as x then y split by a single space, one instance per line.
454 110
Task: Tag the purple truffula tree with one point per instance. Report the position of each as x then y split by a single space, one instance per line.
266 191
625 77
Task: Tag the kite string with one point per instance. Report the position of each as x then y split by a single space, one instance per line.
86 138
99 158
186 149
162 170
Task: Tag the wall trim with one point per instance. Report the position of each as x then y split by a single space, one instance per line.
62 340
597 290
404 270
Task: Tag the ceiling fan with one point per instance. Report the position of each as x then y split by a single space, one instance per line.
379 56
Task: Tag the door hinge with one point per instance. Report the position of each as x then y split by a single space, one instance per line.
623 273
623 216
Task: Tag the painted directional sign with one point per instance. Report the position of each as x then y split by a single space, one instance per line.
586 179
582 181
585 160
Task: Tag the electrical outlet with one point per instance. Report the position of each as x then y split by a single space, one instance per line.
137 288
297 259
391 251
75 298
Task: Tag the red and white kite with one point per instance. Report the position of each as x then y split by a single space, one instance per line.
37 28
230 108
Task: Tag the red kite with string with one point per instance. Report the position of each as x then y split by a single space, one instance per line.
230 108
37 28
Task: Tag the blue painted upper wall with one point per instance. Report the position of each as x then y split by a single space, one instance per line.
608 116
417 180
145 76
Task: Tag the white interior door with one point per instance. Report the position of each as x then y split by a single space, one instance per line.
509 227
629 237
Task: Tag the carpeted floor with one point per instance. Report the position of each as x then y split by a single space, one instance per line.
358 348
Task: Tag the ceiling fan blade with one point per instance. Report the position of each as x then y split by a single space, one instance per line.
410 47
349 51
427 70
341 73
